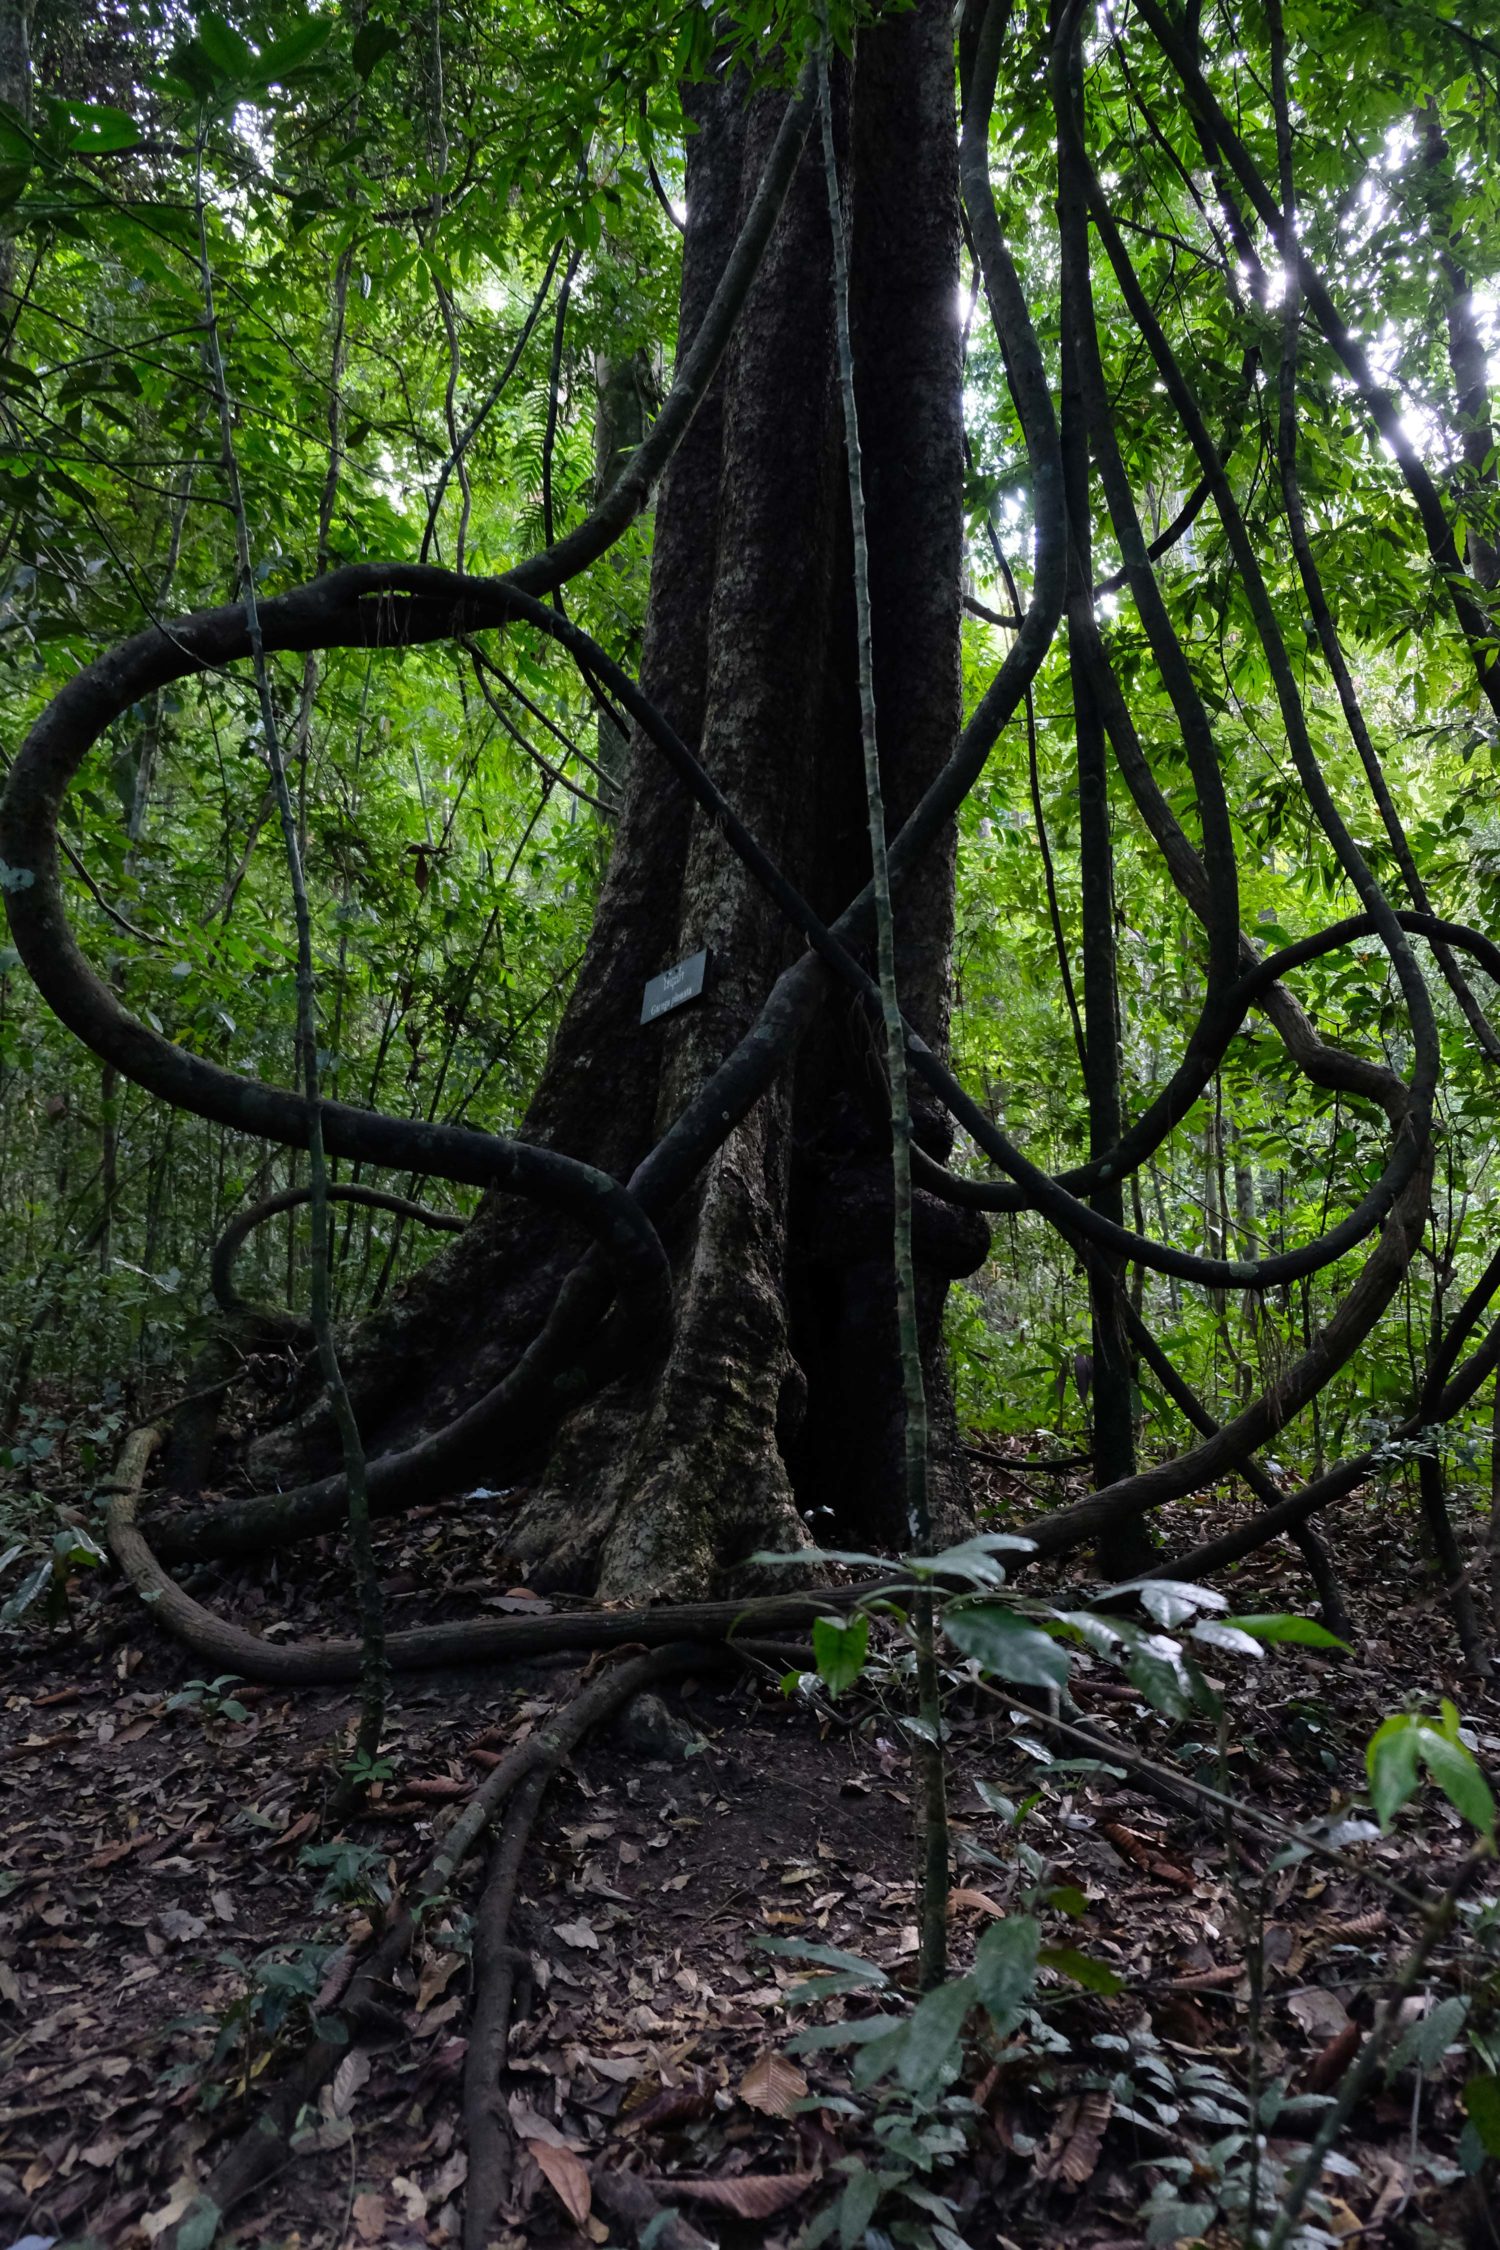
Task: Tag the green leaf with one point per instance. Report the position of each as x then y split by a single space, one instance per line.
284 57
1170 1600
1481 2100
1005 1964
1179 2222
1426 2041
26 1593
782 1557
1080 1968
1067 1898
1280 1625
99 130
857 2206
826 1956
877 2058
1391 1763
973 1559
933 2034
1214 1632
1456 1771
1006 1646
1161 1680
372 43
857 2034
198 2225
840 1648
225 50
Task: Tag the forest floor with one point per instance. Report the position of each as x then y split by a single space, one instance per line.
170 1909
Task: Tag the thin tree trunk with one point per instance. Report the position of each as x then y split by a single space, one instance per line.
1125 1551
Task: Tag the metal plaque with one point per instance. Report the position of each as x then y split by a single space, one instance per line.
674 987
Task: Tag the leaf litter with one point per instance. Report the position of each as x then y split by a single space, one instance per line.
151 1873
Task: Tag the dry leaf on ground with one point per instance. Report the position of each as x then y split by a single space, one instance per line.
1072 2150
772 2085
567 2177
754 2195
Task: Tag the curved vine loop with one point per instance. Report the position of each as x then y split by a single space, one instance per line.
231 1242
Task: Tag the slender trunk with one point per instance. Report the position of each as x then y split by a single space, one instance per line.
625 391
1126 1551
1495 1517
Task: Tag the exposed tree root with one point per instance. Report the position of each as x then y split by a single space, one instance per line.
265 2145
486 2130
479 1640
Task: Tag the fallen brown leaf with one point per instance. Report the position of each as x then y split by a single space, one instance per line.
368 2214
302 1826
754 2195
351 2074
772 2085
435 1978
1142 1853
1072 2148
567 2177
974 1902
668 2105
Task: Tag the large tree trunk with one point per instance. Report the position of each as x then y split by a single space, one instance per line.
779 1393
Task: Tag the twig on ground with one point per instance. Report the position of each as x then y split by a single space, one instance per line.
263 2147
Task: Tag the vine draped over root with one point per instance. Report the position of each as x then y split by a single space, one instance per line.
480 1640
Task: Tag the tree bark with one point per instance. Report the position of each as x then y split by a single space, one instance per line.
779 1392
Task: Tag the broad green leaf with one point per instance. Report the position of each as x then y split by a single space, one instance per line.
829 1956
840 1646
26 1593
1172 1600
1080 1968
1215 1632
1481 2100
1005 1964
228 53
372 43
1006 1645
1161 1680
1180 2222
1457 1773
99 130
857 2205
974 1559
856 2034
285 56
932 2035
1391 1763
1426 2041
877 2058
1277 1625
199 2225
